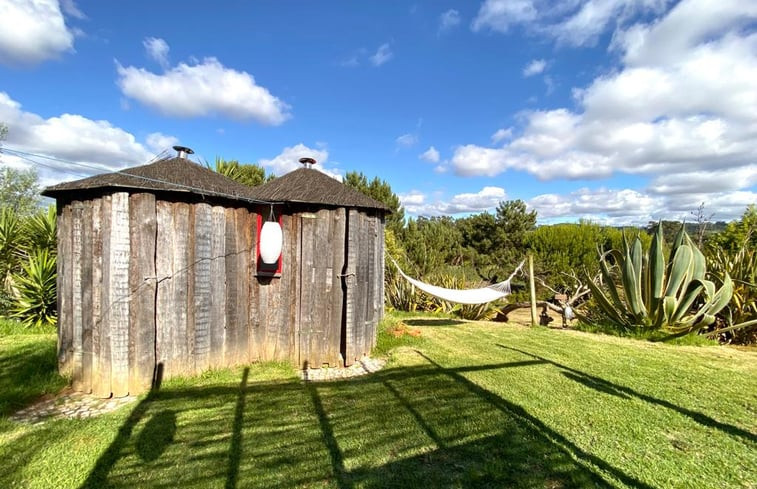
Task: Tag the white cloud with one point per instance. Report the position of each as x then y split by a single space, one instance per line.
572 23
680 111
159 142
502 134
487 198
289 160
69 8
32 32
94 143
202 89
606 206
448 20
499 15
431 155
535 67
383 55
407 140
157 49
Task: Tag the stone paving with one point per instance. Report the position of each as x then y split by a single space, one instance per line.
364 366
77 405
69 404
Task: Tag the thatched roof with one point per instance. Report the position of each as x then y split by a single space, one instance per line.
171 175
309 186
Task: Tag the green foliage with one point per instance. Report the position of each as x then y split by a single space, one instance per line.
36 300
19 190
497 242
643 291
379 190
741 312
736 233
248 174
11 241
41 230
432 243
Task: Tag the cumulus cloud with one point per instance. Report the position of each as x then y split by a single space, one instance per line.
431 155
502 135
448 20
98 144
157 49
289 160
680 111
202 89
487 198
382 55
570 23
535 67
32 32
159 142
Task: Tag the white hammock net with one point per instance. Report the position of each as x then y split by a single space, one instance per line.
463 296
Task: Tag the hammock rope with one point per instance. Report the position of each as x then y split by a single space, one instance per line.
463 296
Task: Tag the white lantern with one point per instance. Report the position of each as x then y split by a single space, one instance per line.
271 241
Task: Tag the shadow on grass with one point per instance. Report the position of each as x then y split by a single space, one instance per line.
620 390
28 369
417 426
432 322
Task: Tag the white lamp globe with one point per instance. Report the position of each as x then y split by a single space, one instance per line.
271 241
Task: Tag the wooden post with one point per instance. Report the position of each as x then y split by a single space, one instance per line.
532 288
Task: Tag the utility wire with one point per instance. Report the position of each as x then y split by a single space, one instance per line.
26 156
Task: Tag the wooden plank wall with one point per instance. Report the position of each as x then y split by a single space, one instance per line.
364 280
144 281
321 263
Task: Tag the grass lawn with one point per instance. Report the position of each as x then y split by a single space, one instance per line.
465 405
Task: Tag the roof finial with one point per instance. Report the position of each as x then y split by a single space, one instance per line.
183 151
308 162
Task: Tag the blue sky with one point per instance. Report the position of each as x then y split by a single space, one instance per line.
619 111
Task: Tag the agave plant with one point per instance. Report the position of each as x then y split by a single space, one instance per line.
36 288
648 291
741 264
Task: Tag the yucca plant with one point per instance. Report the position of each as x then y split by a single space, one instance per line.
41 230
646 291
35 304
11 237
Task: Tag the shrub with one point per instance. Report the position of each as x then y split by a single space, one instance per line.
35 304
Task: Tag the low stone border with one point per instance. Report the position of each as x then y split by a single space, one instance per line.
72 405
364 366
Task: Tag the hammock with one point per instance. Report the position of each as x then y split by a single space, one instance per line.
464 296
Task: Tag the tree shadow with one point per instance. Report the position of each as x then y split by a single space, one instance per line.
424 425
26 372
620 390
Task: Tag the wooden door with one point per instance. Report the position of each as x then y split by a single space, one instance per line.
321 299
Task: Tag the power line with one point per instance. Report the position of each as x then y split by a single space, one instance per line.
26 156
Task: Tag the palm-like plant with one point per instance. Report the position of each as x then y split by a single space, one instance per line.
41 230
11 234
646 291
35 304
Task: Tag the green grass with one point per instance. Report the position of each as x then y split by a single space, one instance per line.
465 405
28 366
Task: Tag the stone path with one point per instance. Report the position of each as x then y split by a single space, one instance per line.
363 367
76 405
69 404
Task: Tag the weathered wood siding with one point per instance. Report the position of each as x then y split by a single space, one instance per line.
364 278
144 281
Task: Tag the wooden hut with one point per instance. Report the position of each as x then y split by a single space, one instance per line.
159 273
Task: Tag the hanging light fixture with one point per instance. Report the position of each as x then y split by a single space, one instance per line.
271 240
